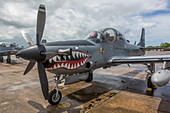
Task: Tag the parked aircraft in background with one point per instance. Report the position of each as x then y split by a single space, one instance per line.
8 49
76 60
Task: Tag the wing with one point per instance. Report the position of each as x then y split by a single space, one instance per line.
8 52
139 59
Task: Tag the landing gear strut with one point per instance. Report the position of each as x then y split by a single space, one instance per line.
150 71
8 60
55 95
1 59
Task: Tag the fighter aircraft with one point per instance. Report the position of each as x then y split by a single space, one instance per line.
75 60
8 49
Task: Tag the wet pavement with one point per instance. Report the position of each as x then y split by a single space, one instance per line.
117 89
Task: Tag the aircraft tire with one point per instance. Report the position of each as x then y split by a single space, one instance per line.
90 78
52 99
8 60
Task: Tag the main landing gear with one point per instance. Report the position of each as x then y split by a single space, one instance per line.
90 77
1 59
55 95
8 60
150 71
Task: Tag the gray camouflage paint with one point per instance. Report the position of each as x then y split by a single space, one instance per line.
92 49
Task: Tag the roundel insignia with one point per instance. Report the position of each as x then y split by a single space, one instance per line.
102 50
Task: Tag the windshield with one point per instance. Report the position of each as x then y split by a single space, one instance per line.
110 35
106 35
96 37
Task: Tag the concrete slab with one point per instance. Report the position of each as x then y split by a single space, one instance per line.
130 103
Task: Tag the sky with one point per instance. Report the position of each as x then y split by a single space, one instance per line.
74 19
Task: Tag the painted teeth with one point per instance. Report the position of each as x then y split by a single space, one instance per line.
50 60
68 65
55 67
59 58
69 57
62 65
71 67
75 66
83 54
81 63
75 55
54 59
64 57
58 66
78 65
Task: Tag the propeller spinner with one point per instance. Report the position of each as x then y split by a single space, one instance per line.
33 53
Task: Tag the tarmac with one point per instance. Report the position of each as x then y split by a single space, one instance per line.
120 89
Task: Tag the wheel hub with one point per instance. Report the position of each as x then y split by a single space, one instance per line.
55 98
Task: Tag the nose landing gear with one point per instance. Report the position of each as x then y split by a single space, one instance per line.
55 95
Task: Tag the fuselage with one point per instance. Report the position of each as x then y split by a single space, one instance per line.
8 48
86 55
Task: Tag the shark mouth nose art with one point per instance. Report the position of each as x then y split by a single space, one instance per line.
69 62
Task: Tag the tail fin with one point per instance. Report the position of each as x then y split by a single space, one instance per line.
142 40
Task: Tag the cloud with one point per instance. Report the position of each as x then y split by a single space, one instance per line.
75 19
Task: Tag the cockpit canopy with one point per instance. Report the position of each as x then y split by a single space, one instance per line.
106 35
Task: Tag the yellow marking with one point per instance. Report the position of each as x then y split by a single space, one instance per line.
149 89
102 50
64 104
155 87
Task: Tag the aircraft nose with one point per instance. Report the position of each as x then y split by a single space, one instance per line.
32 53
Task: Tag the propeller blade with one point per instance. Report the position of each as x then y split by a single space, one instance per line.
27 38
43 80
29 67
40 23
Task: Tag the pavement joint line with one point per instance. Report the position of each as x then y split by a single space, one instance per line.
103 98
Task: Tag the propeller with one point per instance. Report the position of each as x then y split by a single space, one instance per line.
27 38
29 67
40 23
33 53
